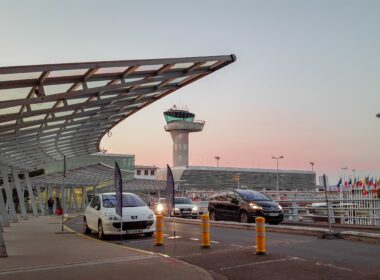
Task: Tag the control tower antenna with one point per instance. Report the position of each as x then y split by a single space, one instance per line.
180 123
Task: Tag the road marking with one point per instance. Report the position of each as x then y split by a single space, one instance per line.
216 242
333 266
174 237
258 263
81 264
194 239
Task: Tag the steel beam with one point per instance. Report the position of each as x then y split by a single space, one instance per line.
31 194
9 193
20 194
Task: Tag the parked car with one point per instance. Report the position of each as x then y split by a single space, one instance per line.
244 205
100 216
183 207
202 207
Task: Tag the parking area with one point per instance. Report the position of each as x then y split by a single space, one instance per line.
232 253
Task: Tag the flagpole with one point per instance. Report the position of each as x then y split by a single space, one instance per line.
63 192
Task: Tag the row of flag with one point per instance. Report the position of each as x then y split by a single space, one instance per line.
366 184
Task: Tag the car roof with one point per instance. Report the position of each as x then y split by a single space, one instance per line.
112 193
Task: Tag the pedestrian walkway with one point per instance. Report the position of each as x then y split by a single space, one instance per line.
38 249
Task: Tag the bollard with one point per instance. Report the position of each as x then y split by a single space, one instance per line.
205 226
159 230
260 236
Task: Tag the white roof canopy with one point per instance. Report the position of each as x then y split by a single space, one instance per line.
56 110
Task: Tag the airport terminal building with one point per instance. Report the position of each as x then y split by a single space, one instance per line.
217 178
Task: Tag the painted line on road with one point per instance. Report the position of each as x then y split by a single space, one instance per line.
258 263
333 266
215 242
194 239
81 264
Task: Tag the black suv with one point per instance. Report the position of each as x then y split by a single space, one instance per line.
244 205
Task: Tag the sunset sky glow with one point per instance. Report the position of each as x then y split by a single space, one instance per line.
305 84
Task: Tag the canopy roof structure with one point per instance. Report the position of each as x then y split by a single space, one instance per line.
56 110
98 174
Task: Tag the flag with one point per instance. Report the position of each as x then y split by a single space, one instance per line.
350 183
345 183
169 190
119 191
338 185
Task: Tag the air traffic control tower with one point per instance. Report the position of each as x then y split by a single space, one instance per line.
180 123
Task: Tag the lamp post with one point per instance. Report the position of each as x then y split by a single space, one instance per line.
217 160
312 165
277 158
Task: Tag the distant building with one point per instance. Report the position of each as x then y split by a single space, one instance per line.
217 178
146 172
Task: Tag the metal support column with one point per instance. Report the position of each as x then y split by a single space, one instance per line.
31 194
9 192
74 195
3 210
20 194
3 249
40 202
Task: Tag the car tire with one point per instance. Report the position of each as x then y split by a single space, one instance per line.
274 223
148 234
86 229
243 217
194 217
212 216
101 234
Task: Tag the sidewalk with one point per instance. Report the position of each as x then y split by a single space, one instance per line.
37 249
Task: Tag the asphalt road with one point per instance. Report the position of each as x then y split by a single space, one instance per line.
232 253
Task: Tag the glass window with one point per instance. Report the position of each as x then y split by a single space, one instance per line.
138 172
129 200
182 200
95 202
152 172
146 172
252 195
222 196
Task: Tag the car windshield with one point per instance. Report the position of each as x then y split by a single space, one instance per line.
252 195
182 200
129 200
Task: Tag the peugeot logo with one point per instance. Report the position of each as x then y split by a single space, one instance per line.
133 217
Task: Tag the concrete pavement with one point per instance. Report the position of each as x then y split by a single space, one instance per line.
37 249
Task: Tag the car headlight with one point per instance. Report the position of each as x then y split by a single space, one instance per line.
255 206
279 206
176 209
195 208
150 216
160 207
111 217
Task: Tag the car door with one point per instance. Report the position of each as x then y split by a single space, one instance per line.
93 213
232 206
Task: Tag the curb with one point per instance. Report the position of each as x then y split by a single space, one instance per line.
312 231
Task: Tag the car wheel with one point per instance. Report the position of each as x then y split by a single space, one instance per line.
148 234
243 217
274 223
212 216
194 217
86 229
101 231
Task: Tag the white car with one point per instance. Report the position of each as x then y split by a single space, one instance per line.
100 216
184 207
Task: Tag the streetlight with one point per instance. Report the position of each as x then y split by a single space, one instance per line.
217 160
277 158
312 165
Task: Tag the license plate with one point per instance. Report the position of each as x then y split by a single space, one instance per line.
186 212
134 231
273 214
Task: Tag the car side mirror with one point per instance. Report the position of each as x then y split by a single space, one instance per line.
235 201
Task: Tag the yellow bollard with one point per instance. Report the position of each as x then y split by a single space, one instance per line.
205 225
159 230
260 236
